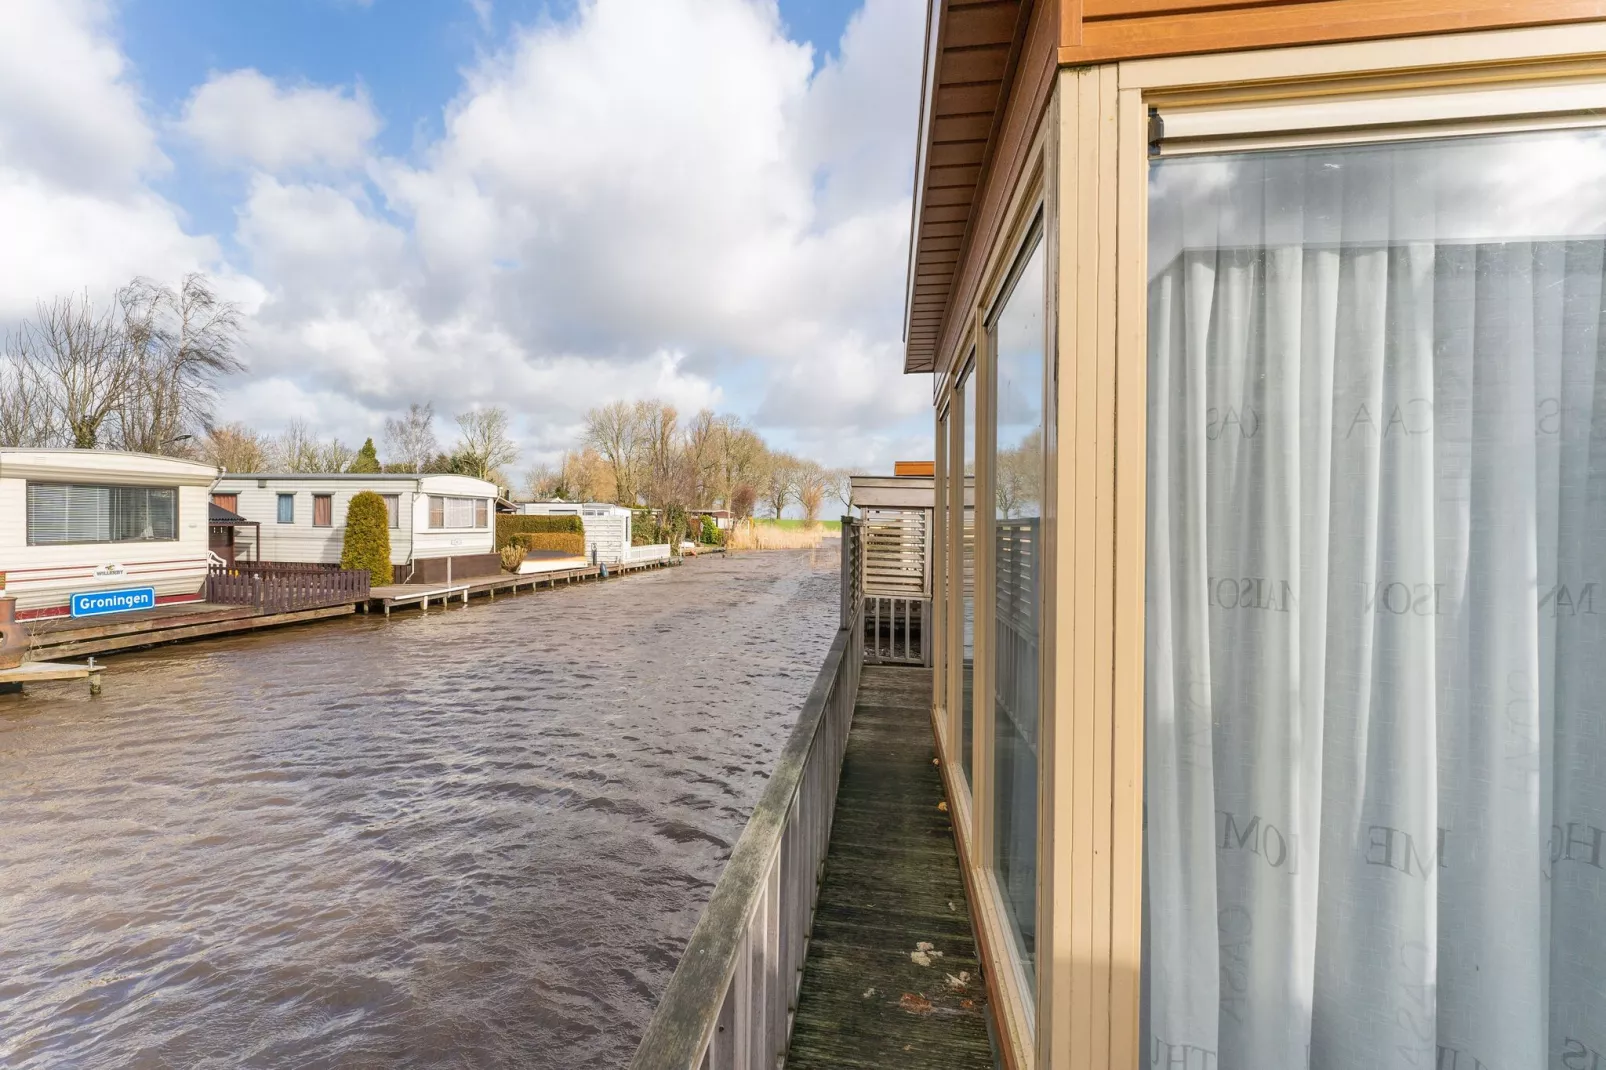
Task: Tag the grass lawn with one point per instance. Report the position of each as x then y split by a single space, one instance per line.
799 525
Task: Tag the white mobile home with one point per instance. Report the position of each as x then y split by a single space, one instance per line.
607 526
100 522
437 522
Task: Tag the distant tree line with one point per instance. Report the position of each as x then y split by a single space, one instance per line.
483 448
642 454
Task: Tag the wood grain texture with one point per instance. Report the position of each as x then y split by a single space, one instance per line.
892 881
1096 31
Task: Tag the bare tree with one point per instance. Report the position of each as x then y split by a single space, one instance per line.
75 359
178 344
24 406
588 477
810 481
840 481
296 448
237 448
333 456
613 431
484 443
780 481
410 437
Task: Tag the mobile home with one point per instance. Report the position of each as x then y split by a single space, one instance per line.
608 527
101 529
441 526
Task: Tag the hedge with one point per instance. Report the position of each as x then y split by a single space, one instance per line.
367 542
511 524
567 541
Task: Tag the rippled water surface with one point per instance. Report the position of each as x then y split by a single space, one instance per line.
474 838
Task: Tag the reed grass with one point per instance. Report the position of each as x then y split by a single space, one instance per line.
747 535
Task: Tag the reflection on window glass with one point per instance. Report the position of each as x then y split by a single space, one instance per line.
939 612
1376 759
1018 513
967 573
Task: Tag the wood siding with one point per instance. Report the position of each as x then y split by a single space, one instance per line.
1094 31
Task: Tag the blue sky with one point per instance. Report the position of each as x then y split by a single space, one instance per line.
518 202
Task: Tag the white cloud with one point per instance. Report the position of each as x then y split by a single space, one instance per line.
651 198
244 117
76 150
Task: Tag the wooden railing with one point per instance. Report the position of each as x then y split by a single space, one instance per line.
730 1003
285 589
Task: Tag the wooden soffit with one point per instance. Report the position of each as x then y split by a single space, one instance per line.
1098 31
972 50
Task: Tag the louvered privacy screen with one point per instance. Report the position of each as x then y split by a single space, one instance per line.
896 553
68 513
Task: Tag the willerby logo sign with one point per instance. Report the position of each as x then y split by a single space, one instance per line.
108 571
98 603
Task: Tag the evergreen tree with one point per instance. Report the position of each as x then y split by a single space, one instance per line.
367 459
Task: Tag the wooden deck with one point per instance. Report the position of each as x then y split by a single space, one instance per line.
64 637
892 978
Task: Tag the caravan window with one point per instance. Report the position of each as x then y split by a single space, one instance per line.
73 513
458 512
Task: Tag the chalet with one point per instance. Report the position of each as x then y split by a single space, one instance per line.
121 530
441 526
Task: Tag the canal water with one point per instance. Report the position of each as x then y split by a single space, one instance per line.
475 838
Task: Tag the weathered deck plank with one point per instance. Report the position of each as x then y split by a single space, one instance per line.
892 882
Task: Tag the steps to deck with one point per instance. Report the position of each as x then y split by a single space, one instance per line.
892 978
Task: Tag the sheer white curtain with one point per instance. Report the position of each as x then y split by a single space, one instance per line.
1375 734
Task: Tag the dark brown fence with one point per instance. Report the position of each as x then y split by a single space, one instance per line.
285 588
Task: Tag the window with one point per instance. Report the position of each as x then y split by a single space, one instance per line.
75 513
393 509
458 512
287 508
1373 744
323 510
231 502
965 575
1016 478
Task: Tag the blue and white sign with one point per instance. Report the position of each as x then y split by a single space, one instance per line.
99 603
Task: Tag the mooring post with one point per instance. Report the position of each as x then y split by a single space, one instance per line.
94 677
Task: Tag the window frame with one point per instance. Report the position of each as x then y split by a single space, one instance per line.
27 523
1416 88
280 499
393 510
327 501
481 512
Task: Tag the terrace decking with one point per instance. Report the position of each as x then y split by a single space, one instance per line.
892 978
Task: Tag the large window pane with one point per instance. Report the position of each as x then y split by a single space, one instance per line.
1376 761
939 565
75 513
966 573
1017 491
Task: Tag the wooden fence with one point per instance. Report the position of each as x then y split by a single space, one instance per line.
285 588
730 1003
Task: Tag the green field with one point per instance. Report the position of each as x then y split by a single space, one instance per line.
799 525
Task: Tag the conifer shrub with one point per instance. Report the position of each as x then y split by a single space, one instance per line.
511 524
566 541
367 544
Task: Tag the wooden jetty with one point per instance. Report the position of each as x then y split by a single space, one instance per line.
423 595
36 672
